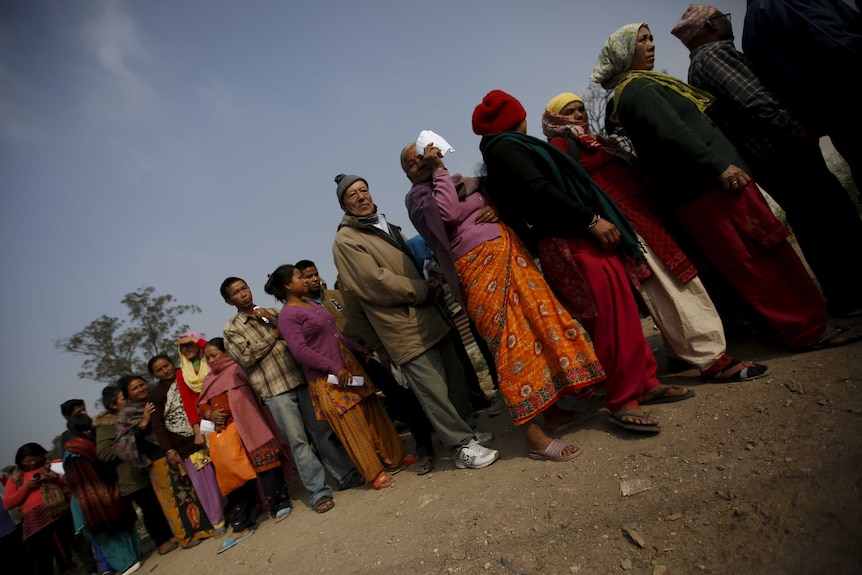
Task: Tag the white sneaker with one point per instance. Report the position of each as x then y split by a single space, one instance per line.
498 405
132 569
474 456
483 438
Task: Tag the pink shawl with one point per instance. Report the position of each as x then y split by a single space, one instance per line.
254 424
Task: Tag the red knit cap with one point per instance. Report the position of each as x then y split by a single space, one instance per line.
498 112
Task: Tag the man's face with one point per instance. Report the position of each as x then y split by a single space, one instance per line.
722 25
357 199
311 276
411 162
78 409
239 295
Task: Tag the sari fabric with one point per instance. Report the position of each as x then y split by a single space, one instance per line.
541 352
96 489
179 502
358 418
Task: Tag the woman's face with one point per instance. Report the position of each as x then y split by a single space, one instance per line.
575 112
138 390
164 369
297 286
212 354
190 351
644 58
119 403
32 462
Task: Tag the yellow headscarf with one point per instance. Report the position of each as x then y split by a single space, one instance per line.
560 101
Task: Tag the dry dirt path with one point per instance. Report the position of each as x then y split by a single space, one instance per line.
761 477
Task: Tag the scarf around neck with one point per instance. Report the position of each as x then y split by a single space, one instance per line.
554 125
698 97
567 175
193 378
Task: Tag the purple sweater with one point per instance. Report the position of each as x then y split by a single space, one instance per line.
312 338
459 216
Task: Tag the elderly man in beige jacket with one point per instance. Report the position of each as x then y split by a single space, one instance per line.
375 266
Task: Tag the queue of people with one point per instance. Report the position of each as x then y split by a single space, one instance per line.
546 251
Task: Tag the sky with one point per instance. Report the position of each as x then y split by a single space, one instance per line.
174 144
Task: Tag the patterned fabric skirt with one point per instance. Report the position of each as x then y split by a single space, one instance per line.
365 429
267 456
179 503
541 352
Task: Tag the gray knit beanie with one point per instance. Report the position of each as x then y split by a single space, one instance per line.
344 182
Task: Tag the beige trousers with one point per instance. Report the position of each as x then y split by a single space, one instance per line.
685 315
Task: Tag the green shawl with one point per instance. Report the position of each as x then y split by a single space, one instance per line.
567 175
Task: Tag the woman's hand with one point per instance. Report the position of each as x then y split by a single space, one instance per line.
149 409
606 233
218 416
174 457
488 215
734 178
344 377
199 437
187 339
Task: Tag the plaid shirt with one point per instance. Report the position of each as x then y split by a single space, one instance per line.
270 367
749 114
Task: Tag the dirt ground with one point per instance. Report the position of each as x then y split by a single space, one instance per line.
760 477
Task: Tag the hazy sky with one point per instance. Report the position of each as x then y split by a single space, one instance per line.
174 144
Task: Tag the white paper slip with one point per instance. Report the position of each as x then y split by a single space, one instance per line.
355 381
207 426
427 137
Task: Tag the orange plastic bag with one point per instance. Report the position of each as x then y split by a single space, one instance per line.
230 458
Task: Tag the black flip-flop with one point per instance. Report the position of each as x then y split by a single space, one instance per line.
617 419
663 397
827 341
426 465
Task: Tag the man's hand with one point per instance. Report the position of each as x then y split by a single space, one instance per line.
385 360
433 157
433 290
264 314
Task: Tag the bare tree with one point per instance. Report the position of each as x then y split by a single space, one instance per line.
596 100
112 347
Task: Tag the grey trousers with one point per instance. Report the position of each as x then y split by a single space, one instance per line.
437 378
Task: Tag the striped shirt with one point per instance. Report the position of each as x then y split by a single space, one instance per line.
269 366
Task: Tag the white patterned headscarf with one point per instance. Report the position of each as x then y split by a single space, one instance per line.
616 56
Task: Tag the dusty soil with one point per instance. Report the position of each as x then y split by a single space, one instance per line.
756 477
